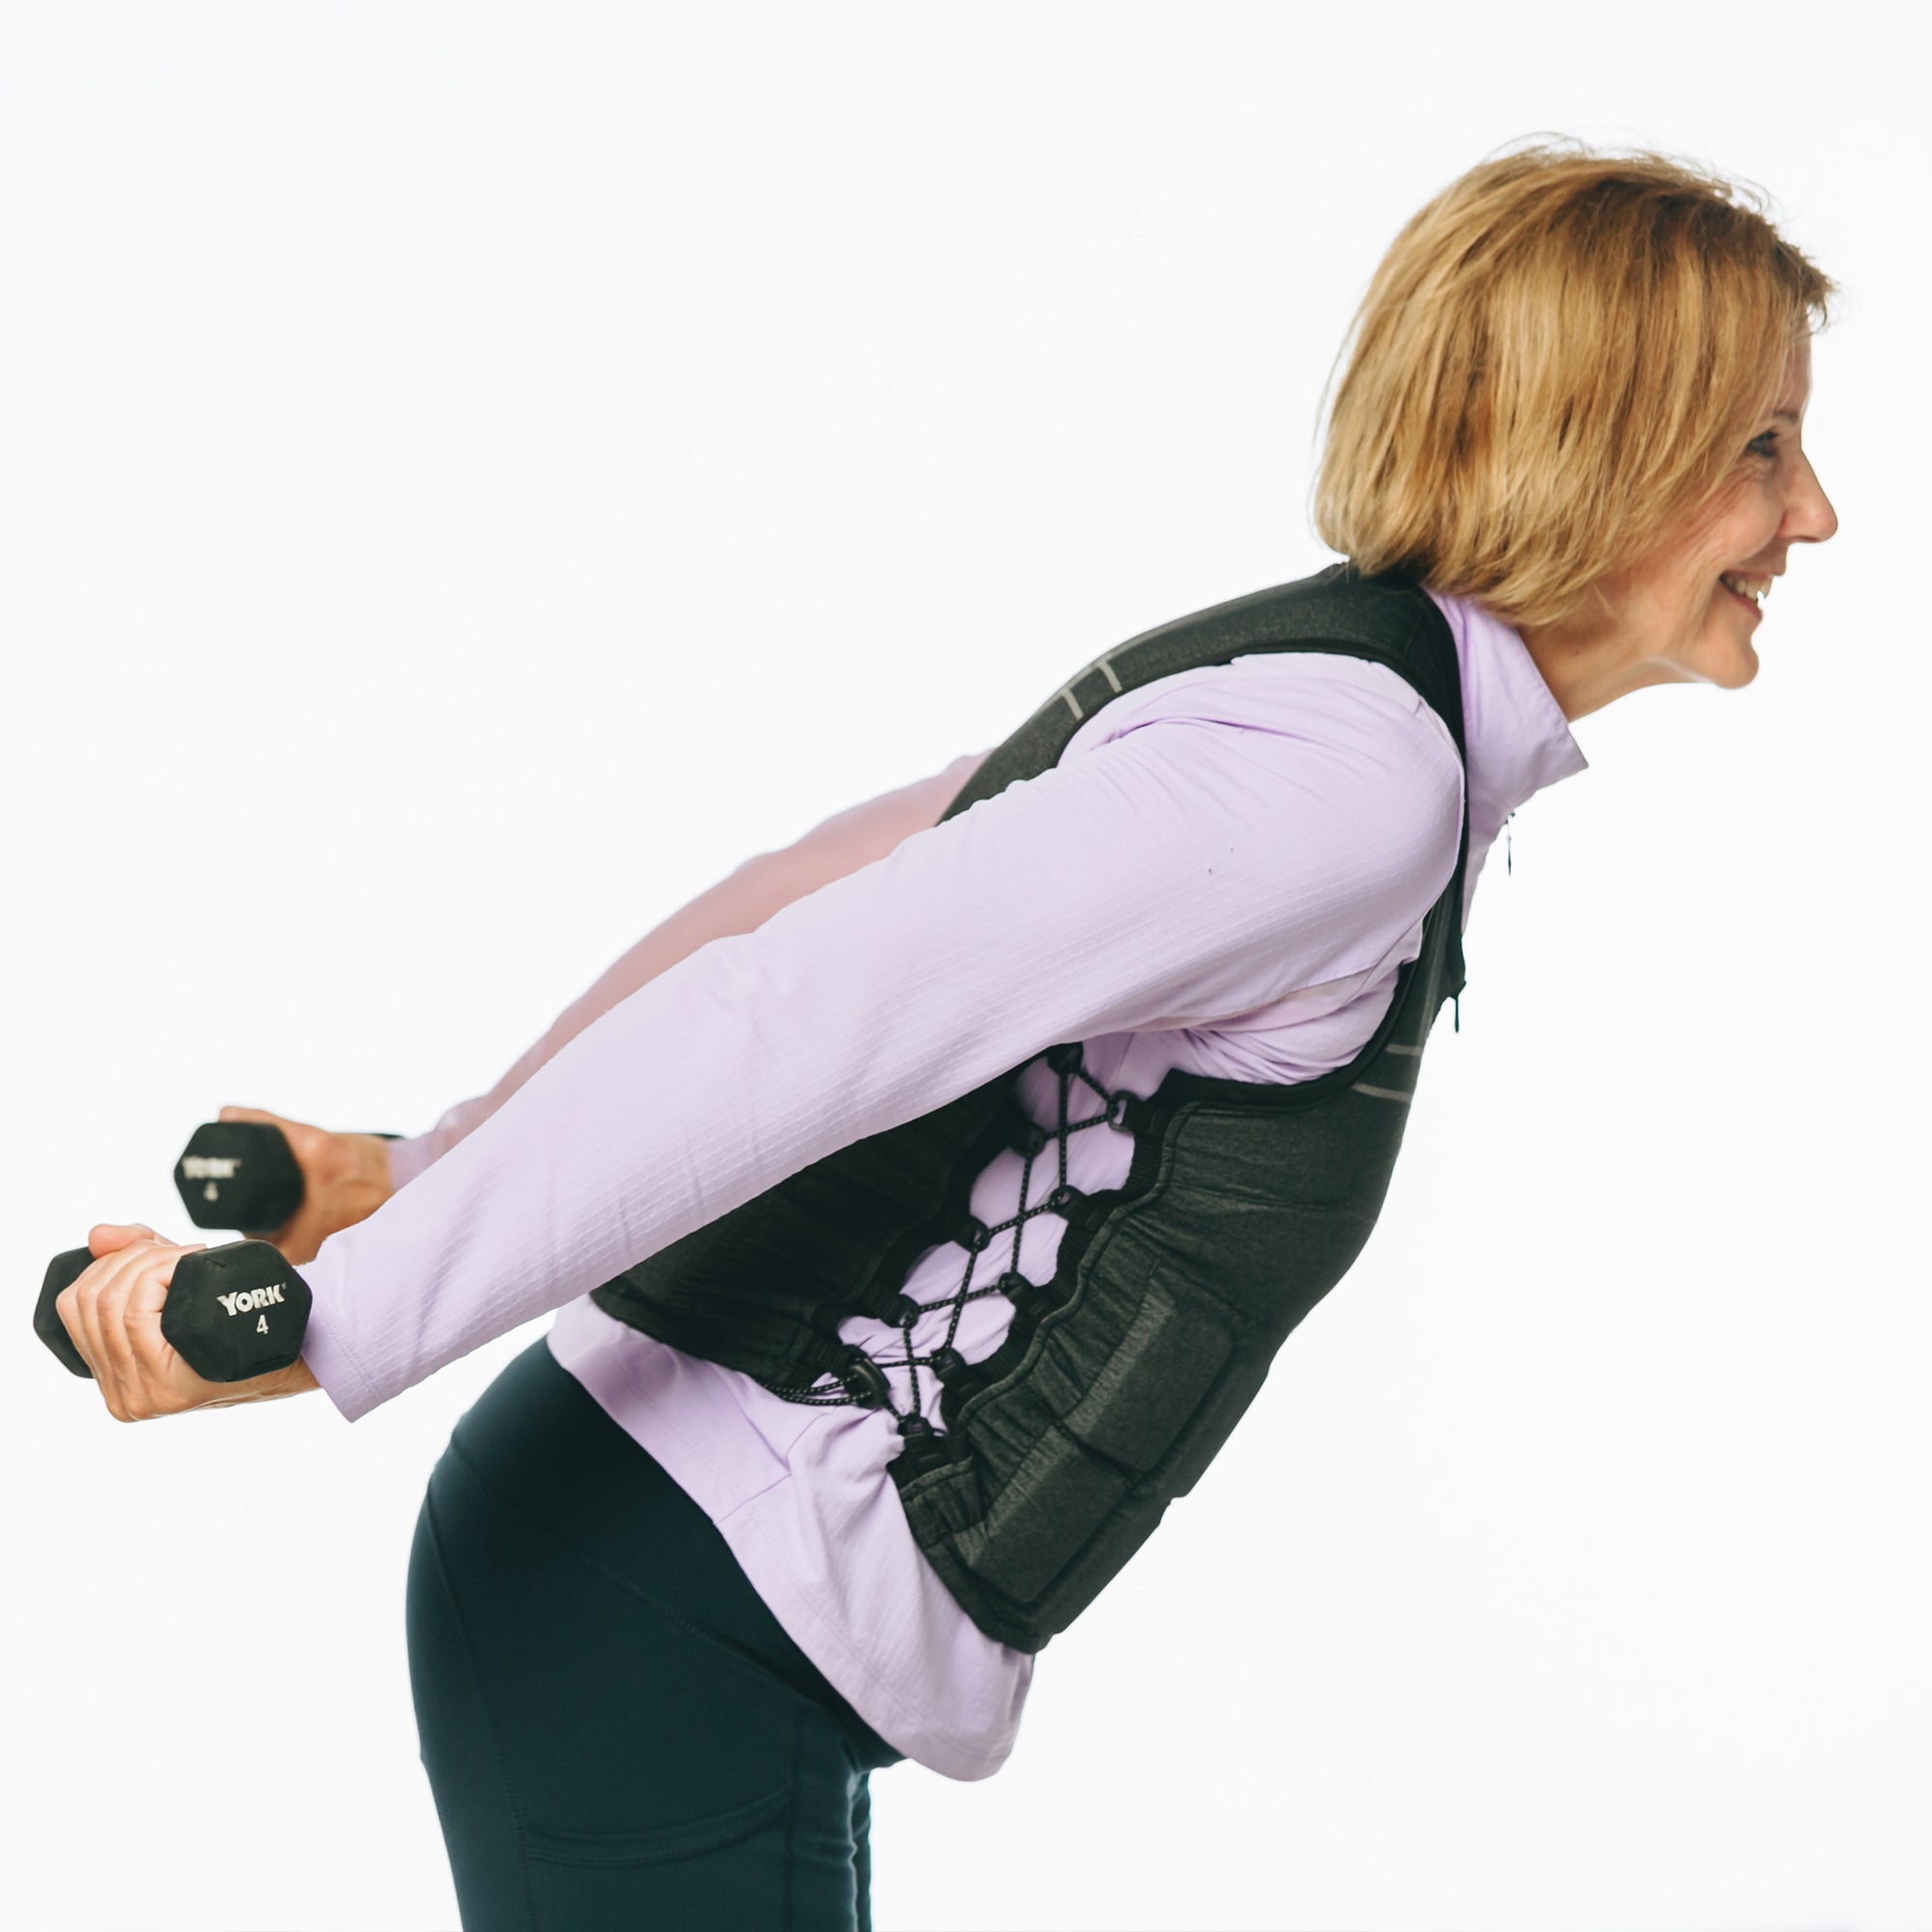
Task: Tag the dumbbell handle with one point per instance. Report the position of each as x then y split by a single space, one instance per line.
232 1313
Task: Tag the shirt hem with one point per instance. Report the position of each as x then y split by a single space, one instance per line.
879 1703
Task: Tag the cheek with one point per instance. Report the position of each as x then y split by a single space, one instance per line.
1690 583
1702 593
1753 524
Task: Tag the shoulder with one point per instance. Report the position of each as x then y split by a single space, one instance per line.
1324 726
1305 809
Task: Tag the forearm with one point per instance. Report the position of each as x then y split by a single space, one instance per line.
739 903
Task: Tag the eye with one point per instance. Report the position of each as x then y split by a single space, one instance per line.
1765 445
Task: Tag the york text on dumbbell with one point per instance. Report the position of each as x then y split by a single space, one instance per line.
205 1167
244 1301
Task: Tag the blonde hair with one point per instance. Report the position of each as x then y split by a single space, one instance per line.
1559 358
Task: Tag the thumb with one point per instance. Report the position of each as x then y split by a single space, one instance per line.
110 1237
151 1285
251 1114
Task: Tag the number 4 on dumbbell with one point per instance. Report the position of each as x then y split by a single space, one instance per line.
239 1173
232 1312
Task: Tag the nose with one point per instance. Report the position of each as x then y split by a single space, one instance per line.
1808 515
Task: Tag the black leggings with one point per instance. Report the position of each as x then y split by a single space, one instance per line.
616 1729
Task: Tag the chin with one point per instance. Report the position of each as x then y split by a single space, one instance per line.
1726 656
1730 669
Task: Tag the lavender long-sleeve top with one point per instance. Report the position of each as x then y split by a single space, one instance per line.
1224 872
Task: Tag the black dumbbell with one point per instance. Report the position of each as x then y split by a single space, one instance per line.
232 1312
239 1173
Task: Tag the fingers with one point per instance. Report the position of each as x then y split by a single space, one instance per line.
145 1357
90 1306
113 1311
107 1332
66 1305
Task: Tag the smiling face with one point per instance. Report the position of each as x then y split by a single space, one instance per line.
1673 618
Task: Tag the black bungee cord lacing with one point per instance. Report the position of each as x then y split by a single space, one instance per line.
946 1358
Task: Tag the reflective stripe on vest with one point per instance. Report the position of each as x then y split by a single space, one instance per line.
1245 1202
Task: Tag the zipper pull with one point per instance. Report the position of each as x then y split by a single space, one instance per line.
1507 866
1456 1002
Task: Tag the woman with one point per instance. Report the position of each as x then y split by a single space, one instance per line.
740 1531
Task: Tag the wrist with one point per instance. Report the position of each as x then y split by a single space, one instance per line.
365 1183
295 1379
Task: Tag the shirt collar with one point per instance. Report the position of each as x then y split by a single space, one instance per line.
1515 734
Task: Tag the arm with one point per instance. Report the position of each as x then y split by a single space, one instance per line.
741 902
112 1312
1184 872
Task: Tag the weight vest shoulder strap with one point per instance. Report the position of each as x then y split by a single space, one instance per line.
1121 1377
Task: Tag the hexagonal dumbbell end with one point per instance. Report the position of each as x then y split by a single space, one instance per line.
237 1311
232 1312
239 1173
62 1270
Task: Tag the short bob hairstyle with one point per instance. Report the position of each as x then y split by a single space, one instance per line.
1560 358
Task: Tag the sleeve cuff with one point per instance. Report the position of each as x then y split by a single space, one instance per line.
336 1371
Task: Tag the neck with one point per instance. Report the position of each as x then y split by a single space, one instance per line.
1583 668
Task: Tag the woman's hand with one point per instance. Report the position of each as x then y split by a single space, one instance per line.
113 1311
345 1180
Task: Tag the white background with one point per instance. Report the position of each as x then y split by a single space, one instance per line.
471 474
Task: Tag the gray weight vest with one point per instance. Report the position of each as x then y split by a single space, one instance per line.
1119 1378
